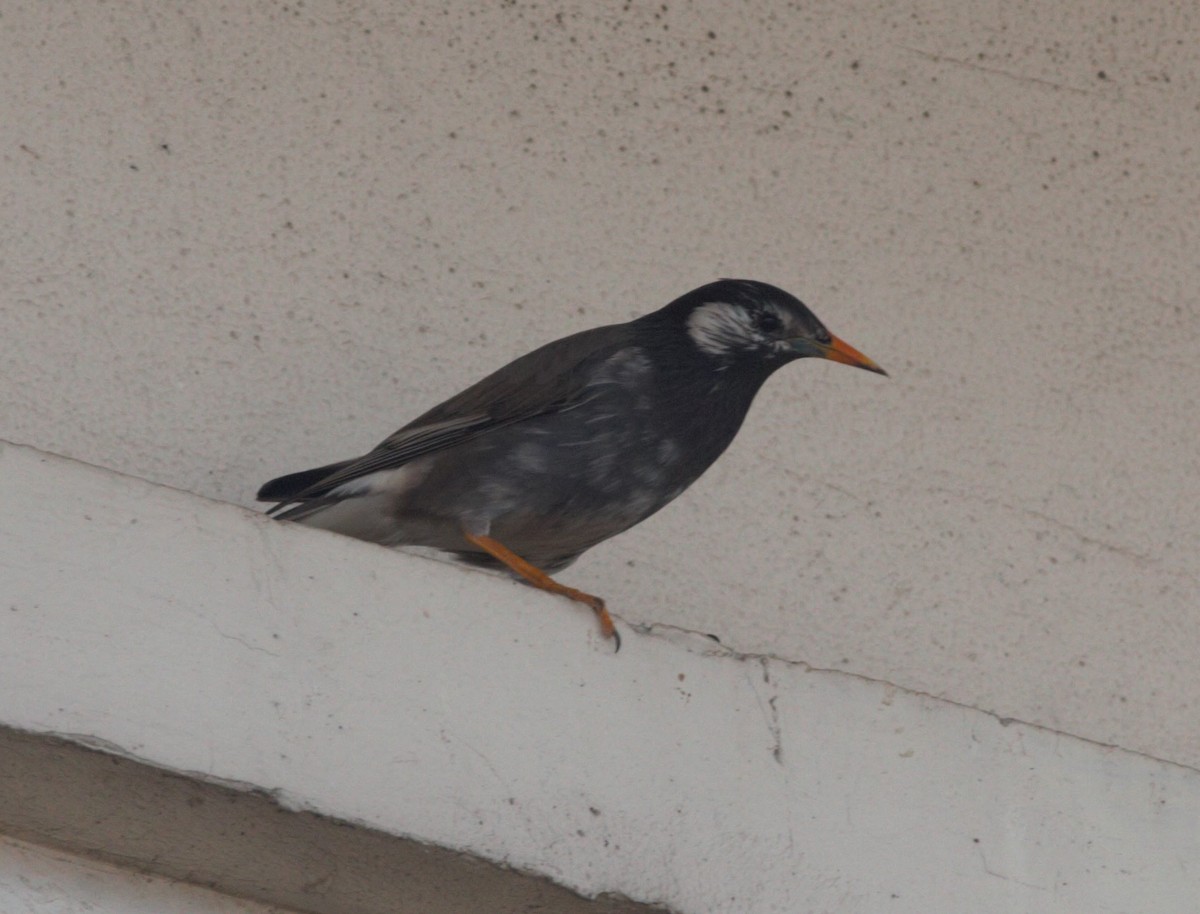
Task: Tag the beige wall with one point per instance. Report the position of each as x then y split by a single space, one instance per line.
245 239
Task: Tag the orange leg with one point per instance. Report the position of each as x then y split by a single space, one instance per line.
543 581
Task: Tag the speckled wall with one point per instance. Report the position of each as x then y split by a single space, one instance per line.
245 239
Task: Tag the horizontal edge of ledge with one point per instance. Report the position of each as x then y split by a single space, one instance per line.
60 793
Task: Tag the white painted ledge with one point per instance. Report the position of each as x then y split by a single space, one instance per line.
458 708
40 880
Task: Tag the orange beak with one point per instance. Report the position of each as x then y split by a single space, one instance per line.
836 351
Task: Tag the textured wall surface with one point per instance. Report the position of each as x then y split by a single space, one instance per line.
242 239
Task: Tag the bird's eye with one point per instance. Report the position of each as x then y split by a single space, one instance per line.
766 321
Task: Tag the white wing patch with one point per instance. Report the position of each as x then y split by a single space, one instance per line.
626 366
384 482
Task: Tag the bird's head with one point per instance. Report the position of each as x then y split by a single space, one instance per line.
740 321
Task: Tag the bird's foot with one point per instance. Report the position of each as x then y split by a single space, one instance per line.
539 579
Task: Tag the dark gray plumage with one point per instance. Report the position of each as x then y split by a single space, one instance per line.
572 443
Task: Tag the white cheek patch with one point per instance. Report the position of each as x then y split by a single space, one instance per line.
717 327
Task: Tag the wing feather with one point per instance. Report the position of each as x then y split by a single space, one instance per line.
549 379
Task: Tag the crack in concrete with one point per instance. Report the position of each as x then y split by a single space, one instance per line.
769 710
715 648
242 641
991 872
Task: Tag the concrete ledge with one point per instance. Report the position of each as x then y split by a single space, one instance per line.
458 709
36 879
58 793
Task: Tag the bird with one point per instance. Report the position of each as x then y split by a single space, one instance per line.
572 443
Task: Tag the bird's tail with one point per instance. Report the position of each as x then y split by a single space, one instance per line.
305 484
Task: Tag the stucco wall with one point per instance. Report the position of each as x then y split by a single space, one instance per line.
245 239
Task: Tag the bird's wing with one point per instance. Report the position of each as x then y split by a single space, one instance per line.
549 379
